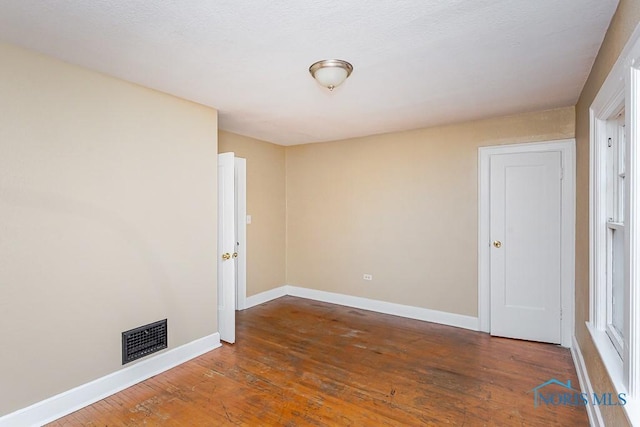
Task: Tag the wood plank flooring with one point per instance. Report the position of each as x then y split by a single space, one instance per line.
299 362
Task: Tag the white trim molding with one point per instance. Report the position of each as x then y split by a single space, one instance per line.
567 149
593 411
601 110
266 296
69 401
632 406
241 230
621 88
410 312
632 215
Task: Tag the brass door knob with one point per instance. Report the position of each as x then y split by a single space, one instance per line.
497 243
226 255
235 254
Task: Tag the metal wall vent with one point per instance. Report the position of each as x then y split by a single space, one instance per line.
142 341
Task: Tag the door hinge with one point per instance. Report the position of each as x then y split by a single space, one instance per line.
609 142
561 174
560 314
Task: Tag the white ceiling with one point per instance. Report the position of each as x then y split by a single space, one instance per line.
417 63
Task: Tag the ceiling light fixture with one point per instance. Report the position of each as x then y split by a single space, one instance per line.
330 73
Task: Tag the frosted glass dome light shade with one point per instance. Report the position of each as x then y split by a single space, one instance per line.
330 73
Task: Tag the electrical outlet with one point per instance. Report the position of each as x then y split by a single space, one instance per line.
367 277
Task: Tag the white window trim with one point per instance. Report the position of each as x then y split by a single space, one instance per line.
613 156
621 86
632 219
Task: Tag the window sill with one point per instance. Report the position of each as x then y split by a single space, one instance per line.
613 364
610 357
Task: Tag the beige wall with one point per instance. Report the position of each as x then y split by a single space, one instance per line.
624 22
266 193
402 207
107 222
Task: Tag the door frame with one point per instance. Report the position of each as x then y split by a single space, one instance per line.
567 295
241 229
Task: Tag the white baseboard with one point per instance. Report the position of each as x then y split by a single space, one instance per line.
418 313
266 296
69 401
411 312
593 411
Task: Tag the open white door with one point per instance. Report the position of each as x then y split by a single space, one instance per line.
526 231
226 248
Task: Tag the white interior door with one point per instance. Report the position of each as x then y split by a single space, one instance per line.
525 256
226 248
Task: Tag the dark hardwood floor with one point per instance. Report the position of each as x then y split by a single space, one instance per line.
299 362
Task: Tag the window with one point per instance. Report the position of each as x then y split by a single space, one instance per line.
614 232
614 238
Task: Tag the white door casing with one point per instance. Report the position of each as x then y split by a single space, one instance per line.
241 232
525 209
523 191
226 248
